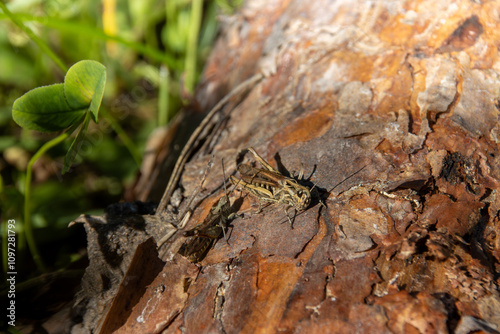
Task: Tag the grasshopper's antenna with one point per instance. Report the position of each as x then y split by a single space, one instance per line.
224 176
347 178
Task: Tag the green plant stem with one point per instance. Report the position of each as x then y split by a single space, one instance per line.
41 44
123 137
79 29
163 89
192 44
27 214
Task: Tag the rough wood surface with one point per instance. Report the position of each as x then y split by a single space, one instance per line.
410 243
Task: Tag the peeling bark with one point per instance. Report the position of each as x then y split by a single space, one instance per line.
392 109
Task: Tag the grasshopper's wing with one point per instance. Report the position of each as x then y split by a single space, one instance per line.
197 247
260 176
262 161
257 191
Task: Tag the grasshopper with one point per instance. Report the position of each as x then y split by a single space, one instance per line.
204 234
269 185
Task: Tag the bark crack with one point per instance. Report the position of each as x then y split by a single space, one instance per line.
219 305
318 231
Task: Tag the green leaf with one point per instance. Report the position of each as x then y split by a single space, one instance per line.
57 107
45 109
84 85
75 146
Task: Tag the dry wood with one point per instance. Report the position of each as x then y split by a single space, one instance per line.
411 243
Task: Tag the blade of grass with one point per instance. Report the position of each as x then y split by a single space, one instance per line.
163 89
27 214
192 44
129 144
79 29
41 44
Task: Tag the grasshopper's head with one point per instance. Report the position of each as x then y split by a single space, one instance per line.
301 198
223 208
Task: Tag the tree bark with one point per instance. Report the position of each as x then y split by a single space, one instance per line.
392 110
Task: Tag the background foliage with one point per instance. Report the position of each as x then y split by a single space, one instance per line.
153 52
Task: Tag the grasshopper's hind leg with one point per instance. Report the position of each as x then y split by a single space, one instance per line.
287 216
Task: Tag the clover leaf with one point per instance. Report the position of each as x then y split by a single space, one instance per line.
60 106
64 106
